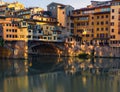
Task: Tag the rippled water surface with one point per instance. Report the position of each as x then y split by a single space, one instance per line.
55 74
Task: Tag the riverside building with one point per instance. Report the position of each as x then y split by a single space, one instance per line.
115 24
92 23
13 29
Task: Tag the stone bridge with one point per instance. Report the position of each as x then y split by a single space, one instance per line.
46 48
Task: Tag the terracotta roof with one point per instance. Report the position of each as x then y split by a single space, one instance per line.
56 4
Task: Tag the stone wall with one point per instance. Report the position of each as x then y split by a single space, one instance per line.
14 49
107 52
102 51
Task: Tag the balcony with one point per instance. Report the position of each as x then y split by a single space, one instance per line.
23 24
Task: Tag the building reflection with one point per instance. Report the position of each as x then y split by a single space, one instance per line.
11 67
91 66
68 74
19 84
60 82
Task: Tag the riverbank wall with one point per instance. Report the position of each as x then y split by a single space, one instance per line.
102 51
19 50
14 49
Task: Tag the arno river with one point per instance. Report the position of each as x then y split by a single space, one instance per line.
59 74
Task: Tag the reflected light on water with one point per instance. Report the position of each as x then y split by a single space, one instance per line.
84 80
18 84
46 74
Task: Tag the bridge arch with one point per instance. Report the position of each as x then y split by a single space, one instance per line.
46 49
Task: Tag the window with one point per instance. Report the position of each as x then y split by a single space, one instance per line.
53 7
16 25
83 18
92 23
97 23
97 29
12 25
21 36
78 24
113 11
15 36
87 23
80 30
10 36
113 36
6 30
97 17
102 23
102 29
102 16
87 35
106 22
119 32
46 27
101 35
106 16
15 30
12 30
55 37
7 8
92 30
78 12
50 8
24 23
119 11
106 29
45 37
92 35
112 30
29 36
106 35
40 31
7 36
97 35
72 24
112 17
112 23
6 24
9 24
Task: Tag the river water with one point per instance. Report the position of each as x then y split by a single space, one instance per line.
59 74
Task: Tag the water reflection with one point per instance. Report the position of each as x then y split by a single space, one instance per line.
11 67
60 82
55 74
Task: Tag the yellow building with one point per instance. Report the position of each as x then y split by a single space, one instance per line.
102 25
92 23
43 18
13 29
15 6
83 24
115 24
61 13
42 28
8 9
28 12
3 10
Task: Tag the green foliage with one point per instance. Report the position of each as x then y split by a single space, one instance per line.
1 42
83 55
